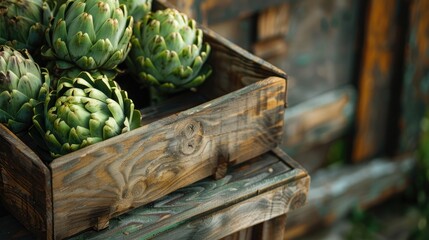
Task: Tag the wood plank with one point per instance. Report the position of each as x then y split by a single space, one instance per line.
376 77
228 29
318 49
271 229
273 22
336 191
271 48
165 155
415 91
212 209
319 120
25 185
211 12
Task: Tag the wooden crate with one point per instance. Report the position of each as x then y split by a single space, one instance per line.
240 118
251 201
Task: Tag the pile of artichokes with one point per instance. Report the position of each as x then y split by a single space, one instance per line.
60 62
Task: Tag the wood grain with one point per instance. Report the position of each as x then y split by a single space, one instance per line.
336 191
25 188
252 192
138 167
241 117
376 76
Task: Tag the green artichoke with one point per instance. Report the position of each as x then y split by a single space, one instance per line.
168 51
23 23
21 82
89 34
83 111
137 8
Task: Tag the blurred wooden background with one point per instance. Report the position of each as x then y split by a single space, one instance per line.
358 89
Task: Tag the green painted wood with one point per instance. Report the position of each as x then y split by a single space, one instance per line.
185 211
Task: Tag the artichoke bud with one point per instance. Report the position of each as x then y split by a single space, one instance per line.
85 110
89 34
168 52
23 85
137 8
23 23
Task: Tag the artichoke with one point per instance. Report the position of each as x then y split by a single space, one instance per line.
23 23
21 82
89 34
168 51
83 111
137 8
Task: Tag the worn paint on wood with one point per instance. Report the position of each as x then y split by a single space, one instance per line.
376 77
415 91
198 209
256 191
336 191
163 156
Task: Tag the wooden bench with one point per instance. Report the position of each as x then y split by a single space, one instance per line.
257 193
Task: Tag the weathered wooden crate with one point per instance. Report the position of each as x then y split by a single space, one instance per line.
241 117
252 201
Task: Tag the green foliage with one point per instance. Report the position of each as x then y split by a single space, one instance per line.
337 153
421 183
364 225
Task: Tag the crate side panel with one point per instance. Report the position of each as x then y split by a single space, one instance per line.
25 185
244 181
135 168
234 67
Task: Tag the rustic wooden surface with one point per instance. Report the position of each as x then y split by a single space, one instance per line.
336 191
376 78
243 37
318 45
210 12
234 68
25 187
259 190
238 120
318 120
415 92
264 188
91 185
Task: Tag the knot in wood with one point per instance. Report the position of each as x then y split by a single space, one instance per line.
139 189
190 136
298 200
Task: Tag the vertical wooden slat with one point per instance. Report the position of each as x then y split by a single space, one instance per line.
273 22
415 96
273 229
375 79
272 27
